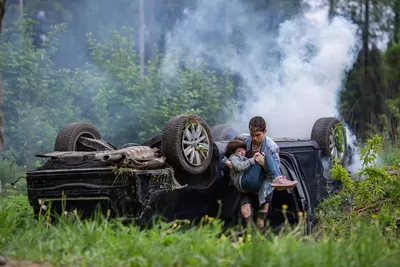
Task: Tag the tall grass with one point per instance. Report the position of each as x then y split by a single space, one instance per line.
391 157
390 154
9 173
109 243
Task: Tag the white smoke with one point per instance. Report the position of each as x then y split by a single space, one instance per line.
293 75
309 77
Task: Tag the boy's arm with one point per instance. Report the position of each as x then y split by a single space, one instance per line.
273 149
239 165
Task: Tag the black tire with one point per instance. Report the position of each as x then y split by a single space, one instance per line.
173 145
223 132
323 134
68 136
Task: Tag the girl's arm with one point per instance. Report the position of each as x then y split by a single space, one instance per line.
239 165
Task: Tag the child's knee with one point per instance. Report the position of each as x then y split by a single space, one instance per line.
245 210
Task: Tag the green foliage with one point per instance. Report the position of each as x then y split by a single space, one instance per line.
371 150
370 100
394 106
109 92
340 135
9 173
140 106
371 194
391 157
392 57
36 100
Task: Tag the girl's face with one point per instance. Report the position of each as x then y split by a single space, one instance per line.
241 152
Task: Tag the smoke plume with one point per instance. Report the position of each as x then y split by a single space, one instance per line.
292 75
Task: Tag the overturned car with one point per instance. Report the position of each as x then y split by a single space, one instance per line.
177 174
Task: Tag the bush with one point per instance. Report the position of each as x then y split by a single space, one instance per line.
371 194
9 173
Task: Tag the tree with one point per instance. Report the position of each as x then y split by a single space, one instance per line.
131 107
110 92
371 82
396 20
37 98
141 36
392 58
2 10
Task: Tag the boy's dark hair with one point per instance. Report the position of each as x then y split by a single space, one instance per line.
233 145
257 124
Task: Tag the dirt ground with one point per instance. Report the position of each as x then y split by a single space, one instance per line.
21 263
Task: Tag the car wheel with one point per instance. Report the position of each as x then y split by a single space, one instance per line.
187 144
223 132
67 138
330 135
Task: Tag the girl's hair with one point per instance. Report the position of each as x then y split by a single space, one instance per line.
233 145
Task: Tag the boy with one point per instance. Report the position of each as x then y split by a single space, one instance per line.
258 144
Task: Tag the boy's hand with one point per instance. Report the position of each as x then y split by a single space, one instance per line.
228 163
260 159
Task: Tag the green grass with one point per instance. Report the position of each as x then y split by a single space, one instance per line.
391 157
9 173
102 243
366 236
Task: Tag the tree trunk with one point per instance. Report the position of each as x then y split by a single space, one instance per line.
366 37
396 26
2 10
153 42
21 7
227 26
365 63
331 8
141 36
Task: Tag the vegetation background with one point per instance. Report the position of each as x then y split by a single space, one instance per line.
59 65
117 85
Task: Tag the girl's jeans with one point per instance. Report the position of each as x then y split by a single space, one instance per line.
255 179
